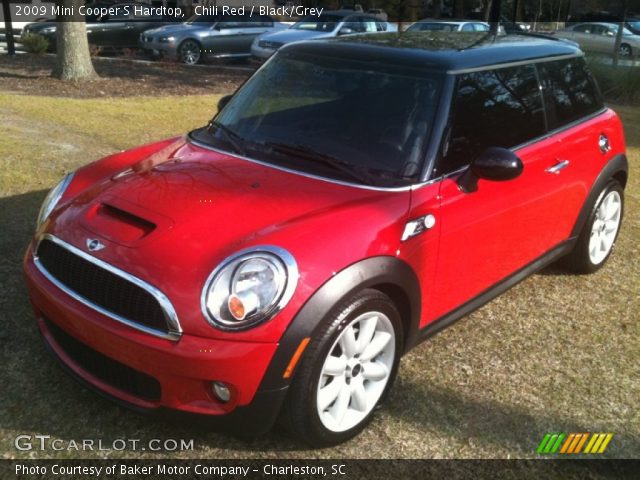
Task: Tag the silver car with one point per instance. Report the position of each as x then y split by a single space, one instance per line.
204 35
428 25
329 24
601 38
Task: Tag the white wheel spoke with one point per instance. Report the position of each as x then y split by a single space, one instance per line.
339 409
328 394
603 244
374 371
611 226
348 342
376 346
334 366
356 371
367 329
612 210
358 396
605 227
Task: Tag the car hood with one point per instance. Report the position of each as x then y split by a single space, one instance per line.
292 35
37 26
173 216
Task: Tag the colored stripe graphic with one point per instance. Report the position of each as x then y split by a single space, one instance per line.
573 443
598 443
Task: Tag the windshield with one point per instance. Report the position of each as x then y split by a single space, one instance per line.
322 23
211 19
333 117
635 24
433 27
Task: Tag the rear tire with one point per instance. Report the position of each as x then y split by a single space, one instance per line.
600 232
625 50
346 371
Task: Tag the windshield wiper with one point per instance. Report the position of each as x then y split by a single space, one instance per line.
229 135
324 159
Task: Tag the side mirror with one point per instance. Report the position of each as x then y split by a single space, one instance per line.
345 31
223 101
496 164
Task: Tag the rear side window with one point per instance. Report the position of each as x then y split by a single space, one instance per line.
495 108
570 92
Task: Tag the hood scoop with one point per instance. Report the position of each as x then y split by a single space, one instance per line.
120 222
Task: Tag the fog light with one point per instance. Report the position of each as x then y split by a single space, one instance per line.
221 391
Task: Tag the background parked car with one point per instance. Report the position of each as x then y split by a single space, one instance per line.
114 31
601 38
204 35
329 24
448 26
378 13
631 23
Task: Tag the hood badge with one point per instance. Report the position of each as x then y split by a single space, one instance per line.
93 244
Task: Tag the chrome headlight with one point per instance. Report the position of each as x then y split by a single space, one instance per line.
167 39
52 199
249 288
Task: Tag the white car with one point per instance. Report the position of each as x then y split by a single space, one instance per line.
448 26
600 37
329 24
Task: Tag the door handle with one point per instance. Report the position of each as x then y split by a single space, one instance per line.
558 167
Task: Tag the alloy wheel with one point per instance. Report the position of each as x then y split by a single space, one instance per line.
625 51
356 371
605 227
190 52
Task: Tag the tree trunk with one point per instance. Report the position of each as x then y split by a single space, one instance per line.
519 10
73 62
437 8
616 48
458 9
487 10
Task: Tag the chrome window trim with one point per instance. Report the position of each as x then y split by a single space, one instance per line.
306 174
292 277
518 63
173 324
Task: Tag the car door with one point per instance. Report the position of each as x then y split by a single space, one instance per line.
488 234
581 34
571 97
228 36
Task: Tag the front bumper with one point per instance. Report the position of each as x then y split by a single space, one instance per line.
159 48
260 53
183 370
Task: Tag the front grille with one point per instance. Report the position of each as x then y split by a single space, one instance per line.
101 287
122 377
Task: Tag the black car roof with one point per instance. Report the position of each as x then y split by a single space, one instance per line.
443 51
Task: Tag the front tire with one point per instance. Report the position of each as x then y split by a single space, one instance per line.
599 234
346 372
189 52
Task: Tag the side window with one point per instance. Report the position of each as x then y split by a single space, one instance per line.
481 27
582 29
468 27
495 108
570 91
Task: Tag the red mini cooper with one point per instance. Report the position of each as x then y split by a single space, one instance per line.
351 199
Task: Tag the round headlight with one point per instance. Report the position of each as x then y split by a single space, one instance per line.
249 288
52 199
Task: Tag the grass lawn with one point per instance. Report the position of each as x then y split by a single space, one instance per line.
557 353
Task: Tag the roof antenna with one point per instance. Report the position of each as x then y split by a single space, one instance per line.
494 17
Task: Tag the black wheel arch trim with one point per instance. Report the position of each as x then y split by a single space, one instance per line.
617 165
386 273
